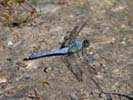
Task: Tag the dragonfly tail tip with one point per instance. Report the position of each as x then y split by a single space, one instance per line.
27 58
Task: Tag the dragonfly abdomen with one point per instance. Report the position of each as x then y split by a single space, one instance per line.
48 53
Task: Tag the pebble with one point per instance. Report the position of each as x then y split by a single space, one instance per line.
10 43
3 80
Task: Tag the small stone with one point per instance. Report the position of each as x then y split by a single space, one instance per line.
74 97
99 75
3 80
123 26
113 40
123 42
10 43
130 62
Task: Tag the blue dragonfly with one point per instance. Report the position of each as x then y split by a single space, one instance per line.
74 47
70 46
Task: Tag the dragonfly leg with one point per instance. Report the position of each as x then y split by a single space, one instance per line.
78 54
83 52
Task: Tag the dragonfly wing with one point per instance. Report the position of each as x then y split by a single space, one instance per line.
72 35
74 67
70 59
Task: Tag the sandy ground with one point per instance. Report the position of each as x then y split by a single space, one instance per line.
110 31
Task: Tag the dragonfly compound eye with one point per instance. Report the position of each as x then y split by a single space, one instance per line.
86 43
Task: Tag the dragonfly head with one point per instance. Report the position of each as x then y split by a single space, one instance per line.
86 43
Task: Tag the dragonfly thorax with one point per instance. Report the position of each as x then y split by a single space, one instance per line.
76 46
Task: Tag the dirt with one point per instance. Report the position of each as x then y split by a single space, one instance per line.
110 31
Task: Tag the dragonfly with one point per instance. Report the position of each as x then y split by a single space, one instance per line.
74 47
68 48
